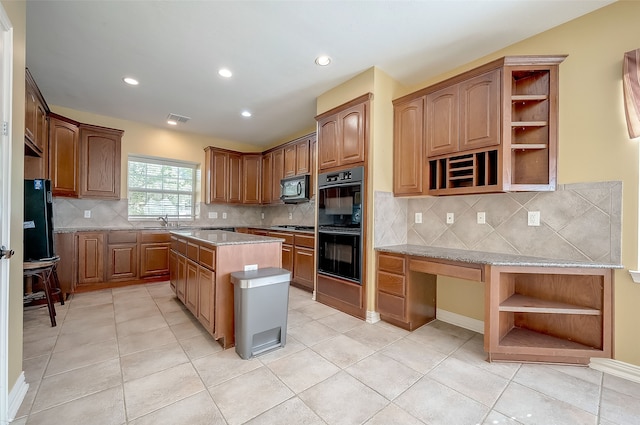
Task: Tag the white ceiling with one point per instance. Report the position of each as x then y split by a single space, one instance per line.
79 51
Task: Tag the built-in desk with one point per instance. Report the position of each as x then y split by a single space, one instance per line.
536 309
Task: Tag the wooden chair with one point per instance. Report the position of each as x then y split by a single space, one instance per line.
43 272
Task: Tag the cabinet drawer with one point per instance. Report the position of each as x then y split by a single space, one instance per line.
288 237
305 240
208 257
391 263
470 272
155 237
391 283
179 245
122 237
391 305
192 251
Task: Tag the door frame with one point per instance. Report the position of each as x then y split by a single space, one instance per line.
6 80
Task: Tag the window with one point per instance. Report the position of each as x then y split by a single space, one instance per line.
159 187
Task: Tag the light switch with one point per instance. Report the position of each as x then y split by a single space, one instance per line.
213 214
87 213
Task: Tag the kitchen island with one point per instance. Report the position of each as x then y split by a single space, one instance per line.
535 309
200 266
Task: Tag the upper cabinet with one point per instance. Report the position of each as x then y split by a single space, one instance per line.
100 162
84 160
343 134
251 174
491 129
63 156
223 176
35 118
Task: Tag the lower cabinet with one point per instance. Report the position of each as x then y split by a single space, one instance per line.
408 301
304 261
206 297
103 259
287 248
191 291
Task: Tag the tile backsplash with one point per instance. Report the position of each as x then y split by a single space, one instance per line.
69 214
577 222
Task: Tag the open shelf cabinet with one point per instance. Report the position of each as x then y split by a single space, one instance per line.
548 314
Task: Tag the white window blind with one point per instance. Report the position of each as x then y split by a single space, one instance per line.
159 187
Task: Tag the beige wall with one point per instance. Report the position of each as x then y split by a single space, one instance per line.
17 14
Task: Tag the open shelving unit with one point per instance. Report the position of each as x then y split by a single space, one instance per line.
549 315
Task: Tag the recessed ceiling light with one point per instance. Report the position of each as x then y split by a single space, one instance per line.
246 114
224 72
172 122
131 81
323 60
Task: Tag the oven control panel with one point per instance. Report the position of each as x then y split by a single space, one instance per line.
352 175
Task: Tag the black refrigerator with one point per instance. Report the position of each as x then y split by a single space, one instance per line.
38 220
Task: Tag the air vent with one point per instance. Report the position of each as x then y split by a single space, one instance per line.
177 118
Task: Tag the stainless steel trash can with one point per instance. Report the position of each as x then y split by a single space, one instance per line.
261 302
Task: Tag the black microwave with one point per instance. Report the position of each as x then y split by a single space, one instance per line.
294 190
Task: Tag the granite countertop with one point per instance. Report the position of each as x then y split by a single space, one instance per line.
222 237
491 258
285 228
139 229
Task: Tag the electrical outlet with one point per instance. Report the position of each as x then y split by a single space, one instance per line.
213 214
533 218
290 216
249 267
87 213
418 218
262 216
481 218
449 218
224 216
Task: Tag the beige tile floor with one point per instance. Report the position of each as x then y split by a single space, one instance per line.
135 356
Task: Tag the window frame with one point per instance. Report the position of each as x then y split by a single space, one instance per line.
148 159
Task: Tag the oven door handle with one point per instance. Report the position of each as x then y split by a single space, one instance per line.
338 232
341 184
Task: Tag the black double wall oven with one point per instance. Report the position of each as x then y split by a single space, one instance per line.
340 203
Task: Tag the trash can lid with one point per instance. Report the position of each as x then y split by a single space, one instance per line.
260 277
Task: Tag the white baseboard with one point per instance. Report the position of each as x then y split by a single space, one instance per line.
16 396
616 368
459 320
373 316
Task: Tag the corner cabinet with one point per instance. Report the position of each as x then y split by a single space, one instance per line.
223 176
491 129
84 160
343 133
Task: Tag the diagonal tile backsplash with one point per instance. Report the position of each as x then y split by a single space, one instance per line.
577 222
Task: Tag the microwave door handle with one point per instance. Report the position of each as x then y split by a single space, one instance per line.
299 188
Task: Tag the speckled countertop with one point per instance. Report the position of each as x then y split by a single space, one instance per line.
221 237
491 258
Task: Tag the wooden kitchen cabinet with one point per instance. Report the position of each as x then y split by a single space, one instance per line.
405 299
35 119
287 248
90 257
122 260
267 178
100 161
302 155
304 264
251 175
63 156
343 134
223 176
206 298
491 129
277 174
154 254
549 314
408 147
290 160
191 290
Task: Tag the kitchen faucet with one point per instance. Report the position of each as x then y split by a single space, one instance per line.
165 220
